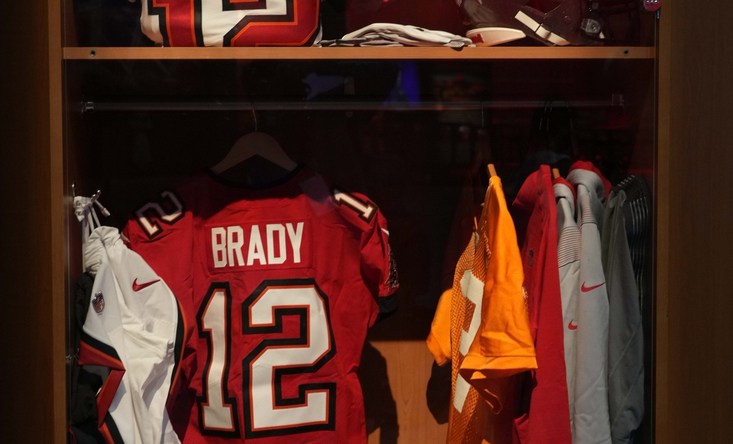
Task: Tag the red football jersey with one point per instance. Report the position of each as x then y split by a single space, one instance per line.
278 287
231 22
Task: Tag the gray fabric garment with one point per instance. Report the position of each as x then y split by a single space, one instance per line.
625 333
637 210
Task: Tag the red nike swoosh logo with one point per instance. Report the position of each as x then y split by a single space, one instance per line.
585 289
138 287
572 326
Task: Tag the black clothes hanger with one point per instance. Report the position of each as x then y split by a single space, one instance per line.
256 158
252 144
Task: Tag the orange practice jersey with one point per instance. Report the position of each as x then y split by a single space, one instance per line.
481 325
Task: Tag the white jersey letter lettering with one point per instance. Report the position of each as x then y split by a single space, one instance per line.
235 240
272 256
218 244
296 238
256 250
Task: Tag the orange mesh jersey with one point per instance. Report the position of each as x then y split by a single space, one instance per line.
481 325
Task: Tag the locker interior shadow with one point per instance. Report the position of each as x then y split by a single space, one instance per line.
379 404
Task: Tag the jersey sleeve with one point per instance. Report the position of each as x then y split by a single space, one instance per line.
438 341
158 232
378 263
378 267
504 345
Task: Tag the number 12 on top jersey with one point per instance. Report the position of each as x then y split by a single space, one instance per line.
231 22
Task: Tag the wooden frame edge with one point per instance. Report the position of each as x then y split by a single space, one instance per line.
366 53
57 217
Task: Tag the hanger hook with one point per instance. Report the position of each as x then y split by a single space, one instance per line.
254 115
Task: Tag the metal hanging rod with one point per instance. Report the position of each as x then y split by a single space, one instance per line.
616 100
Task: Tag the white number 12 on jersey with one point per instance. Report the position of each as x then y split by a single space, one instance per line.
267 411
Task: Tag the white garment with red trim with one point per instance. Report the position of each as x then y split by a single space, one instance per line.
568 251
591 422
131 329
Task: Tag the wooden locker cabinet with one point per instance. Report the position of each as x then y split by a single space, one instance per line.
679 93
150 113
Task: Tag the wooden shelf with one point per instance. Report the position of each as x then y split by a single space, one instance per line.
343 53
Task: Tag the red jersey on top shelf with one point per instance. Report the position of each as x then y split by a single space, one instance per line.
231 22
278 287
